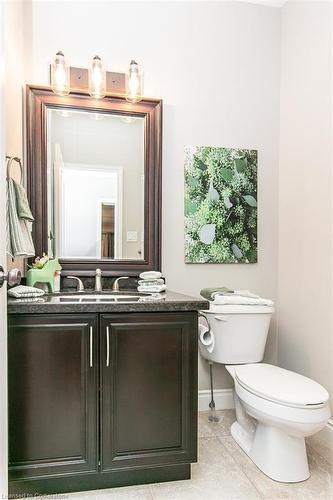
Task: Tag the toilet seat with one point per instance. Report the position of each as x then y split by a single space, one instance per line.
281 386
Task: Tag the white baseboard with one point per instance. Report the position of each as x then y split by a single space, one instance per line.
223 398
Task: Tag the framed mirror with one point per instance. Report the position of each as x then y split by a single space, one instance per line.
94 181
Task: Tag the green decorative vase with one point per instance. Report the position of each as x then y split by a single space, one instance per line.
44 275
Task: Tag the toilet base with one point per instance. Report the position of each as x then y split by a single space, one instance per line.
280 456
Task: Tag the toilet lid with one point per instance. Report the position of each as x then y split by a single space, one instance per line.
280 385
238 309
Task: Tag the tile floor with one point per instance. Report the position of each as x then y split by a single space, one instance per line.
225 473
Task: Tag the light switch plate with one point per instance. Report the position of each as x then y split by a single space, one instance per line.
132 236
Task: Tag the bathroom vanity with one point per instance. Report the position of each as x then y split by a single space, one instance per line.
101 393
102 386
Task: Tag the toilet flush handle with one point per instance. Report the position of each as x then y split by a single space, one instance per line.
220 318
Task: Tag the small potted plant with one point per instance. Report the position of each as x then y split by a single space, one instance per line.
43 270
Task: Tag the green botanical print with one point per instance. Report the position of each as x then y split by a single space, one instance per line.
220 205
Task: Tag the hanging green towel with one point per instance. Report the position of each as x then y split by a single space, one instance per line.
208 293
22 204
19 240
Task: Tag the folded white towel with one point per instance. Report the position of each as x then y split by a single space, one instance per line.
246 293
241 293
158 281
152 288
150 275
240 300
22 291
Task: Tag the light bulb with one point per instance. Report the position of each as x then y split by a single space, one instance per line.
96 116
134 83
128 119
97 79
60 75
64 113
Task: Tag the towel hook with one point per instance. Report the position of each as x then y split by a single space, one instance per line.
10 160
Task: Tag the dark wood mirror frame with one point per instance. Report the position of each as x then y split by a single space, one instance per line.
38 101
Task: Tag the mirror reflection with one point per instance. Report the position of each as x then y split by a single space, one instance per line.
95 185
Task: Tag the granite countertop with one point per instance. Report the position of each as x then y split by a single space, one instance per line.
99 303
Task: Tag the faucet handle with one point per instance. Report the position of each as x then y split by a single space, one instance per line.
115 284
79 285
98 280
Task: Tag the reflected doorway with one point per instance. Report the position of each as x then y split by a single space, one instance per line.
108 231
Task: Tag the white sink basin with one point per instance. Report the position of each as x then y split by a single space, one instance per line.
112 297
105 298
119 297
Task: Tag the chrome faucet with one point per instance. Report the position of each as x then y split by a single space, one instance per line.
79 284
115 284
98 280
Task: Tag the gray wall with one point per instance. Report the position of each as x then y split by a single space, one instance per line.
217 67
305 302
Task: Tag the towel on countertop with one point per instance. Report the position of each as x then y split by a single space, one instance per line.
159 281
211 293
245 293
22 291
150 275
151 282
19 240
208 293
152 288
234 299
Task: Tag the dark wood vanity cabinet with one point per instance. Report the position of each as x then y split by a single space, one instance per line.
148 403
53 395
99 400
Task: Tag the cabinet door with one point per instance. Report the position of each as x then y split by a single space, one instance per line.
52 394
149 389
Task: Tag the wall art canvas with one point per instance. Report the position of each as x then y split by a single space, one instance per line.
220 205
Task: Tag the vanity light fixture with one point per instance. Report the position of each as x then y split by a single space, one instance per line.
97 79
133 83
60 75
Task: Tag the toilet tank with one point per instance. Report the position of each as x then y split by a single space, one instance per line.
239 332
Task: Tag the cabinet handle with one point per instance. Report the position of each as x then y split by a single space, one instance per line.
107 346
91 347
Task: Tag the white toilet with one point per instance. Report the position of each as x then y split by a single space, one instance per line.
275 408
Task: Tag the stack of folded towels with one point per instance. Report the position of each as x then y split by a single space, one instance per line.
26 293
21 291
226 296
151 282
